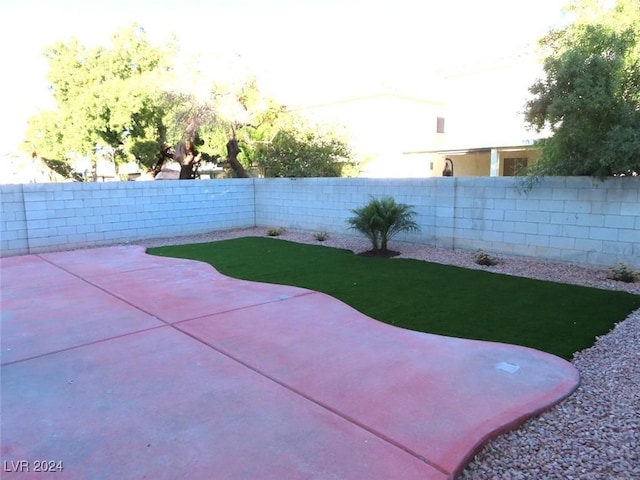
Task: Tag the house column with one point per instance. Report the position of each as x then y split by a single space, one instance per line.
495 163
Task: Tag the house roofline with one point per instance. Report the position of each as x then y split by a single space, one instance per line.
526 145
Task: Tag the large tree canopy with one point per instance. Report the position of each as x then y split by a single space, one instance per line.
105 97
303 152
141 103
590 98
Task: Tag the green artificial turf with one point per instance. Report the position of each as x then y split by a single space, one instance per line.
428 297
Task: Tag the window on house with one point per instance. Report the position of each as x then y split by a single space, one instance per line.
514 166
440 125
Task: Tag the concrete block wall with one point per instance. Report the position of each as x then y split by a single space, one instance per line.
564 219
13 221
44 217
325 204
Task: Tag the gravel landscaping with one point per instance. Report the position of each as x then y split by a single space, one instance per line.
592 435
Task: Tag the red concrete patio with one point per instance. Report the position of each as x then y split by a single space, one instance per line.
121 365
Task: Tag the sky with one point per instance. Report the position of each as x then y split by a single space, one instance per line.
302 51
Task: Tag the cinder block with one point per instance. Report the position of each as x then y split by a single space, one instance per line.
91 203
590 220
537 240
77 239
525 227
619 221
562 242
66 230
624 195
574 256
62 213
630 235
617 248
575 231
512 215
524 250
95 236
550 253
34 196
73 203
630 208
593 194
514 238
50 241
575 206
537 217
37 225
444 212
86 228
550 206
502 226
63 194
588 245
75 220
601 259
493 236
550 229
526 204
14 226
110 218
33 206
598 233
567 194
562 218
32 215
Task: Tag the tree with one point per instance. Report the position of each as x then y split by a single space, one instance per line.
246 118
303 152
106 98
590 98
381 219
141 102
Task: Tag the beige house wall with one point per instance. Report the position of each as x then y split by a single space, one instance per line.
472 164
381 127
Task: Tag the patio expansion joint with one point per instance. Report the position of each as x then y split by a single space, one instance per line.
124 300
74 347
321 404
238 309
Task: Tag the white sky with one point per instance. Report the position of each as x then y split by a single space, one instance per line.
303 51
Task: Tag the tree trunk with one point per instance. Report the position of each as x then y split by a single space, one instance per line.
186 172
165 153
186 155
233 149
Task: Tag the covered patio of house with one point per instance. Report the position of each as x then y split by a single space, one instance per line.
480 161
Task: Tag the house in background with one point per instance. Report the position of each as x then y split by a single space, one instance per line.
486 132
492 160
468 118
380 126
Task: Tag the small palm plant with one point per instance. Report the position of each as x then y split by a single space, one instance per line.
382 218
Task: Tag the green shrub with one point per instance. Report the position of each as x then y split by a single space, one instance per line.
275 232
382 218
321 236
622 273
483 258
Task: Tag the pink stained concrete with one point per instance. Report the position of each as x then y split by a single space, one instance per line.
185 373
436 396
161 405
45 309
